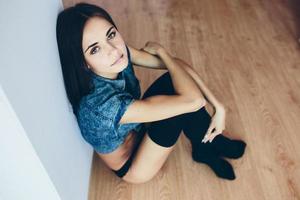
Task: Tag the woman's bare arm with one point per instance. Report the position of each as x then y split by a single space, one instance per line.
207 93
147 60
187 97
183 83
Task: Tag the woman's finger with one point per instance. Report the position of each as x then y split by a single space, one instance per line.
212 135
218 130
217 133
205 138
209 130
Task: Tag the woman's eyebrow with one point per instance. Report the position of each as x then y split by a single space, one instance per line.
91 46
109 30
97 42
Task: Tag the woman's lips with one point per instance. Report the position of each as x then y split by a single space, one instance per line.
117 61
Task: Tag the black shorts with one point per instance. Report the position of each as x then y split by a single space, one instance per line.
124 169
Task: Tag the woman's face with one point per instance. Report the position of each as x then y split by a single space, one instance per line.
104 48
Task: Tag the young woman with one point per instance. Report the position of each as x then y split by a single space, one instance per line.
133 135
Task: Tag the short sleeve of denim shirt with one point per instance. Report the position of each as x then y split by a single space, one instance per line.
115 107
99 121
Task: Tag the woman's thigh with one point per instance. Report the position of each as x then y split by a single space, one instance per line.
147 161
150 157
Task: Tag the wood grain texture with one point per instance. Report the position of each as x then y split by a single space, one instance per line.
247 52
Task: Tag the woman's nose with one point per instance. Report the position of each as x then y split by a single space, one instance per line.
112 50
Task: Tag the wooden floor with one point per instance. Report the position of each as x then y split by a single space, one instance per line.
247 52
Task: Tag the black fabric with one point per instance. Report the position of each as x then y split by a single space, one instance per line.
163 132
194 125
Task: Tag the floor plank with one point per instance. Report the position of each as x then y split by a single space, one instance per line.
247 52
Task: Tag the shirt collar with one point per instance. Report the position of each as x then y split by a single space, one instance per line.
119 82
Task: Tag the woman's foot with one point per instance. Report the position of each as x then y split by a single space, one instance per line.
227 147
203 153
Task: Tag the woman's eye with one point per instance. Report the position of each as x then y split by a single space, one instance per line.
92 51
113 33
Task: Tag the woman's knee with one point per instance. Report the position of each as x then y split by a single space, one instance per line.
166 139
197 122
137 179
162 85
166 132
199 115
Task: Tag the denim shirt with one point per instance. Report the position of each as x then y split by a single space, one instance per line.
101 110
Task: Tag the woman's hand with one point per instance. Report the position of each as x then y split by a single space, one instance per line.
217 124
152 47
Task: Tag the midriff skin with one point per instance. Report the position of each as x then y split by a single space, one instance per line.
125 149
128 146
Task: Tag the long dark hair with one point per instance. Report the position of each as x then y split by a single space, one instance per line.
69 31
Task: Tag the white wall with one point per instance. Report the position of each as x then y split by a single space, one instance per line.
22 174
30 75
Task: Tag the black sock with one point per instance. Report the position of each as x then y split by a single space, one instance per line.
227 147
196 125
202 153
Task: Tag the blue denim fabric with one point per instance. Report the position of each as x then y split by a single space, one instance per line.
101 110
